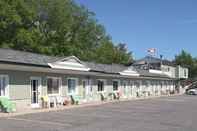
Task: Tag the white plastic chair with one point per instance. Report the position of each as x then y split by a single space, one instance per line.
59 100
52 99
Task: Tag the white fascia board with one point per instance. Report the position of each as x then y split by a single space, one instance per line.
69 63
55 66
129 74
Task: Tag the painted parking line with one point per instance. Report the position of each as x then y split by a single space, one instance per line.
41 122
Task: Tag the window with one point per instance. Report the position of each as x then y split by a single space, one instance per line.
131 87
53 85
3 85
100 85
185 73
91 86
137 85
72 83
115 85
125 88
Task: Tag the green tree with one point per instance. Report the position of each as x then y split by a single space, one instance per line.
185 59
122 55
59 28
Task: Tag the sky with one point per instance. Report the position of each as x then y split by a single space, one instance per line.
167 25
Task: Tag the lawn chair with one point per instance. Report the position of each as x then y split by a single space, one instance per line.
52 101
103 97
59 100
45 101
116 96
75 99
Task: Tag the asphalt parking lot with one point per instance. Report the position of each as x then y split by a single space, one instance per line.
176 113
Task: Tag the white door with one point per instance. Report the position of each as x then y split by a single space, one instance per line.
85 88
35 91
132 88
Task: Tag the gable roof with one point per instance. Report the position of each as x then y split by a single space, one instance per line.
105 68
71 63
28 58
21 57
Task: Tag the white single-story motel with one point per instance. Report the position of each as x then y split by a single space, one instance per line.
26 78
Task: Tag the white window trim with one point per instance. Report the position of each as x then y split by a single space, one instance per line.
60 86
7 88
77 84
104 81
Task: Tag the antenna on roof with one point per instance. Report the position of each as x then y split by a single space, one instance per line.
161 57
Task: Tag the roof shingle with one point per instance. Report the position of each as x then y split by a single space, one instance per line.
21 57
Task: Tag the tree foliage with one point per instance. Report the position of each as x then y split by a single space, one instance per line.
185 59
59 28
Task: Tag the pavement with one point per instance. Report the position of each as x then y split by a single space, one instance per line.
174 113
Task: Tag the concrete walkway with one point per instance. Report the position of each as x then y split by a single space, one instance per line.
31 111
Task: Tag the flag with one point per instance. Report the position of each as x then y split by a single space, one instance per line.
151 51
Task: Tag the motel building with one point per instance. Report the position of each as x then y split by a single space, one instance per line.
29 79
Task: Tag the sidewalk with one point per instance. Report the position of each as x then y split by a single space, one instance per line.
31 111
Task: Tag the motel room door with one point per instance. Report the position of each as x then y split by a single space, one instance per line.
35 91
86 89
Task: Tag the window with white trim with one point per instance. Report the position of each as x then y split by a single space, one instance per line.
125 87
53 85
100 85
115 85
72 84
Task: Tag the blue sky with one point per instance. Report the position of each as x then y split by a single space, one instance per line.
167 25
